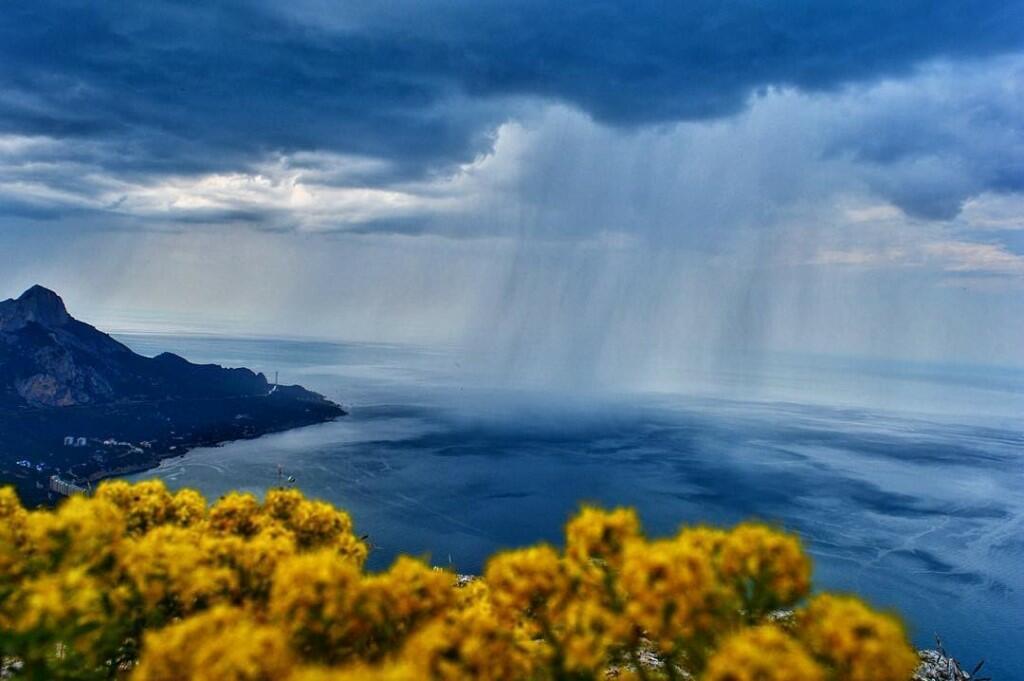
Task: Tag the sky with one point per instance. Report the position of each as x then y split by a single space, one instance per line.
583 191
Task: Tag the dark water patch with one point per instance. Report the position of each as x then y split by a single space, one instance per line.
928 560
921 560
889 503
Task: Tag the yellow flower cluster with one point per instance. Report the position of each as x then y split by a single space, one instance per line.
762 653
768 569
221 643
143 584
862 644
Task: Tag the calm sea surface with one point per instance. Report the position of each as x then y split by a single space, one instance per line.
907 483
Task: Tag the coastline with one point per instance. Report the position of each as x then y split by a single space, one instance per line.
125 438
185 449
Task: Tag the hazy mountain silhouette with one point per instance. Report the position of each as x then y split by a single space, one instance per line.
50 359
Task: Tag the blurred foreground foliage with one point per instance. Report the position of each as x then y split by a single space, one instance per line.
140 583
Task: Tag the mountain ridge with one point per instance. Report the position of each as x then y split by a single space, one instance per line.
38 304
76 405
50 359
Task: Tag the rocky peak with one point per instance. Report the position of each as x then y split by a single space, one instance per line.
37 304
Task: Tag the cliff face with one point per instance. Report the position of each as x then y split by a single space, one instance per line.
49 359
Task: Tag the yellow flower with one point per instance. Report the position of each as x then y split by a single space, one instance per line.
237 514
671 589
81 532
10 505
768 568
350 548
316 523
313 600
471 593
255 558
280 503
145 504
408 592
599 535
862 645
708 539
389 671
177 569
57 599
223 644
527 581
13 520
470 644
586 632
763 653
69 608
188 507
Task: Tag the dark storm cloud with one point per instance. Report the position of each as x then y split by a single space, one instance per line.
172 87
180 90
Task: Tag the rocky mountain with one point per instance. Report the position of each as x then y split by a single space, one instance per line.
77 406
49 359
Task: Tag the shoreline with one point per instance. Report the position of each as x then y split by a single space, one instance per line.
81 446
186 449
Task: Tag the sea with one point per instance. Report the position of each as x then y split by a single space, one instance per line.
905 480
